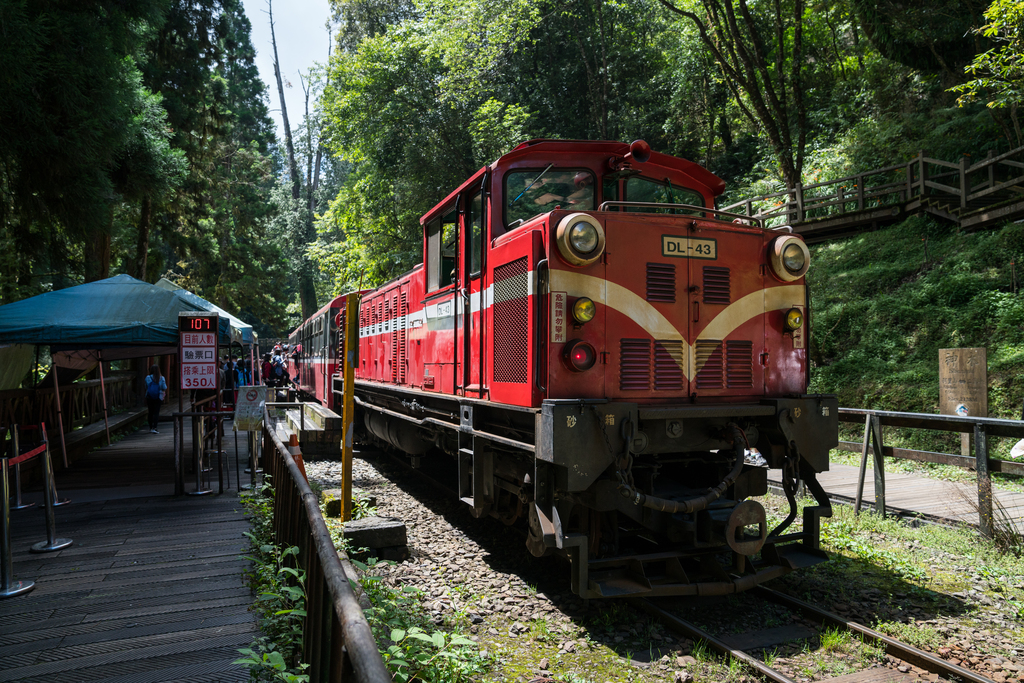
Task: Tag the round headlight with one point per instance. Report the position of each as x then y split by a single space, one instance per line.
793 257
794 319
579 355
789 258
584 310
583 237
580 239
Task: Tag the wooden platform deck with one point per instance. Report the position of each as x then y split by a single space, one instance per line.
151 589
909 494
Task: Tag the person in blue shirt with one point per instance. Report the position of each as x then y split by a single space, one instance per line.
156 392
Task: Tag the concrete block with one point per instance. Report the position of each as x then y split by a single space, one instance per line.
375 532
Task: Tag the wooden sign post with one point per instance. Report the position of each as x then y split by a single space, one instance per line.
963 386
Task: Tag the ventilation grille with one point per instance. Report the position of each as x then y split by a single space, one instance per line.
390 306
661 282
716 285
403 323
669 363
739 365
511 322
635 364
708 358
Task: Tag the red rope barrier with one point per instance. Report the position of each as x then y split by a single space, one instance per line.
26 456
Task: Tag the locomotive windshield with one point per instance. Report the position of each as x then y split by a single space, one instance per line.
640 189
531 193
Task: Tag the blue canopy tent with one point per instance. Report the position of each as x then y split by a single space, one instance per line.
111 319
117 312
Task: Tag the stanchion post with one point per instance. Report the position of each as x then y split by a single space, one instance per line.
179 474
15 444
60 415
103 394
8 586
197 454
220 452
49 493
238 469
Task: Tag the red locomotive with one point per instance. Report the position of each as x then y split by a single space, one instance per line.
600 350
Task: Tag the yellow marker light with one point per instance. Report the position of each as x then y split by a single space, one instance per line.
584 310
794 319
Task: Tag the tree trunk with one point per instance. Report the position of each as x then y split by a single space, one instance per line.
142 247
293 170
97 256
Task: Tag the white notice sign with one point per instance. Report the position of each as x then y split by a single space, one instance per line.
249 408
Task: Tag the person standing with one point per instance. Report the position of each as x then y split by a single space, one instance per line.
156 392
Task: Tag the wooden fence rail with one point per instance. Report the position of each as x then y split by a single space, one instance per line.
981 427
81 402
338 644
958 191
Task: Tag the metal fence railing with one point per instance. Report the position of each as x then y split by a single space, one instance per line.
338 644
981 427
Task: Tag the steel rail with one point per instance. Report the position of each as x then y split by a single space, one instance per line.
900 650
695 632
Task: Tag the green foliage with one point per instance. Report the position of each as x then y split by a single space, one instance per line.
997 74
412 647
839 534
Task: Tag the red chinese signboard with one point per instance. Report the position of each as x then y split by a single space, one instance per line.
197 351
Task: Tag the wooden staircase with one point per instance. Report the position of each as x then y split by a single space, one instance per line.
972 196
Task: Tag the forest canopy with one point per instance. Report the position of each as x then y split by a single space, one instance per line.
136 136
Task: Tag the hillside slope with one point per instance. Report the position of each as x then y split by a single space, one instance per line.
885 302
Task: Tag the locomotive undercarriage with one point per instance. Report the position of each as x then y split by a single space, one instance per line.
643 500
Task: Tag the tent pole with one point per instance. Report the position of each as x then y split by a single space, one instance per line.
103 393
60 416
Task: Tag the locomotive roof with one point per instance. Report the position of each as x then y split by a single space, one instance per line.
538 147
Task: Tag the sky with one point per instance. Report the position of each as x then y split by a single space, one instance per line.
302 40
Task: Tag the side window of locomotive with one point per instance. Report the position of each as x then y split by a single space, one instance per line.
442 241
475 221
533 192
449 246
639 189
433 255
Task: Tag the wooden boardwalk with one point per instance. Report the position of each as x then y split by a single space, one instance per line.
908 494
151 590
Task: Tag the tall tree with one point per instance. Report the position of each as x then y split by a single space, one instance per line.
761 51
307 289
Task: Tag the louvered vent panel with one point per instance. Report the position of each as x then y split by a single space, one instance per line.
669 363
391 306
635 364
661 282
716 285
403 323
708 357
739 366
511 322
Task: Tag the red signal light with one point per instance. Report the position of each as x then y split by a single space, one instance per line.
579 355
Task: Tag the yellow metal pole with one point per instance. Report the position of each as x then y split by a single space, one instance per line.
348 402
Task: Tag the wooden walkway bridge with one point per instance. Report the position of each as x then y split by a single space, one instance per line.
151 589
973 196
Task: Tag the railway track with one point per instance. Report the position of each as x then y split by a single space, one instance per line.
893 647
